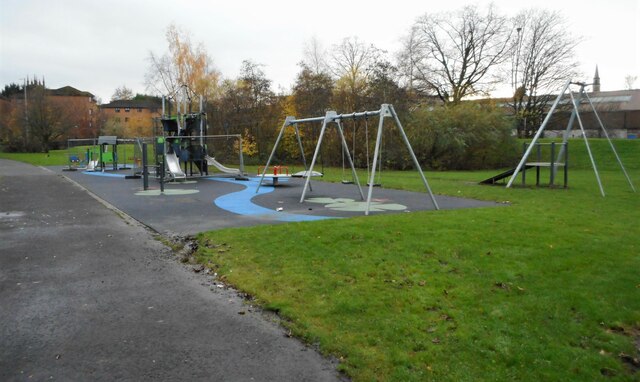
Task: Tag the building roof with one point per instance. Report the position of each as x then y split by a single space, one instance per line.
617 99
132 103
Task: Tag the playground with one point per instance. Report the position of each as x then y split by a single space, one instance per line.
211 203
185 198
177 184
544 289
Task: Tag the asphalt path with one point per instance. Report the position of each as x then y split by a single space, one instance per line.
87 293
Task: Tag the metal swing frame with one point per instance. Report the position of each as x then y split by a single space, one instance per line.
385 111
575 104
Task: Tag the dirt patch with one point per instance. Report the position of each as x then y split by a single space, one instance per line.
630 361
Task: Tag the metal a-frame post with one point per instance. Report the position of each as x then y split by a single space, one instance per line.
387 110
606 134
287 122
575 114
586 142
538 134
331 116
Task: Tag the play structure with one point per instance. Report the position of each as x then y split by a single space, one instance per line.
333 119
277 173
184 150
80 153
561 160
105 153
555 161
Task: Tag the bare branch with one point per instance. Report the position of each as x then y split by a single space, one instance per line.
452 54
541 60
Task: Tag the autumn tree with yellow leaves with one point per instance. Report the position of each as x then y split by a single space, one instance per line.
184 64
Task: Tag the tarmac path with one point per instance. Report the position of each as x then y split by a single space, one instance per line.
86 294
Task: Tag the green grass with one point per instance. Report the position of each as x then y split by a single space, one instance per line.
545 289
52 158
61 157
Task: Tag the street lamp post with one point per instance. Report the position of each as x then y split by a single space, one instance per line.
517 97
518 29
26 115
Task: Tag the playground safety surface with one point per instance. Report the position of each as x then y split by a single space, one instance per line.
211 203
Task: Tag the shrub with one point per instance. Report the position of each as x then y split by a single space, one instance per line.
467 136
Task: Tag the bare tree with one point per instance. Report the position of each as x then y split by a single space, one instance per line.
185 64
122 93
453 54
630 81
404 57
542 60
352 60
314 56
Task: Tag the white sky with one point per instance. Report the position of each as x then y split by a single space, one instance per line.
98 46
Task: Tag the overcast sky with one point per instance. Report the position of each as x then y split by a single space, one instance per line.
98 46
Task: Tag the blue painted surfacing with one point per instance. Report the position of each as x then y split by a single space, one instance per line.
240 202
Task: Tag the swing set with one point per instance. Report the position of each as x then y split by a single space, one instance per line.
378 183
331 117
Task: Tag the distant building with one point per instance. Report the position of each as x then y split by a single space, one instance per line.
596 81
81 107
619 111
78 107
131 118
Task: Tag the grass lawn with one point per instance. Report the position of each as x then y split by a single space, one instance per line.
61 157
545 289
52 158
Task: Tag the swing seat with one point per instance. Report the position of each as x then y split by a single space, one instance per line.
304 174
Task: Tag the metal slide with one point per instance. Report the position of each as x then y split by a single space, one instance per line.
173 164
213 162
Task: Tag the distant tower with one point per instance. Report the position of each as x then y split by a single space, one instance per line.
596 81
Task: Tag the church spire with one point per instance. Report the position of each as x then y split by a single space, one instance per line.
596 81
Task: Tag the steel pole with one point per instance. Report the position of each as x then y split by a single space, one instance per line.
538 134
145 170
376 150
315 153
241 155
586 142
413 156
615 152
567 132
273 151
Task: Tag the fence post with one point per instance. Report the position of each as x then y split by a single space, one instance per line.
552 164
145 170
